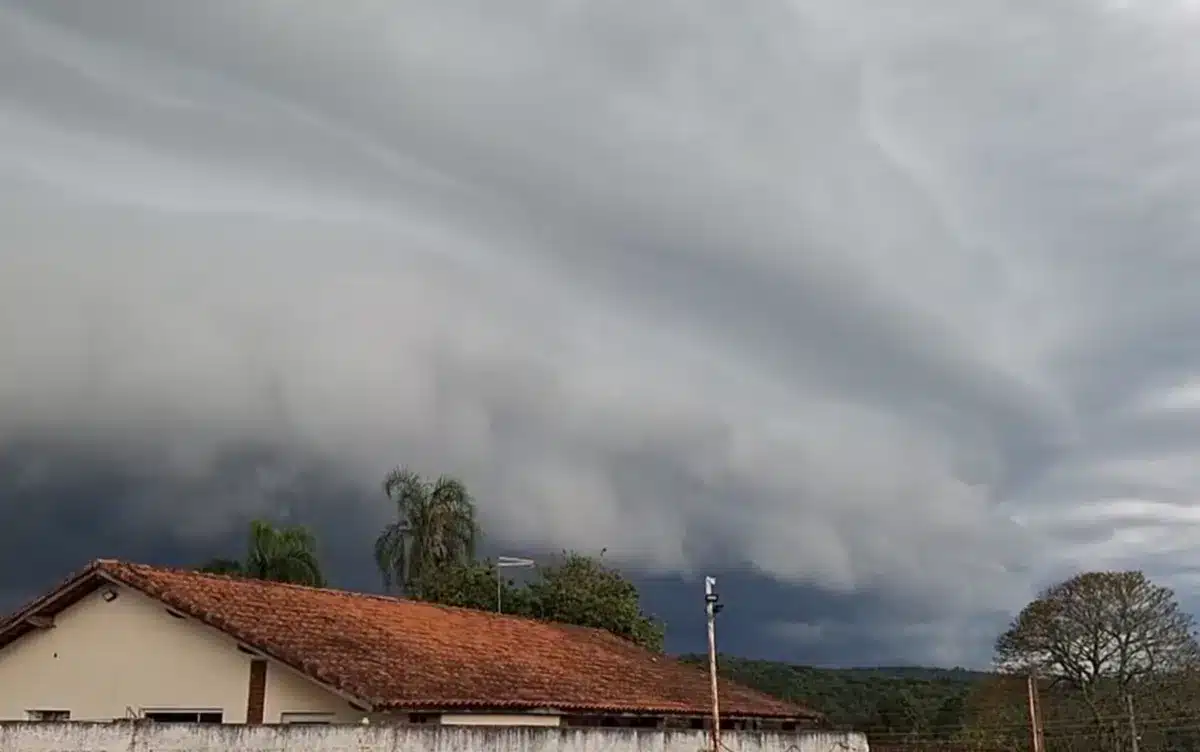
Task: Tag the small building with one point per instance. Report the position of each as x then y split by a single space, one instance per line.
128 641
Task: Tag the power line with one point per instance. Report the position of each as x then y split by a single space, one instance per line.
1057 728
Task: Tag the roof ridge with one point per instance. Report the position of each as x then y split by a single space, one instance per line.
236 578
105 564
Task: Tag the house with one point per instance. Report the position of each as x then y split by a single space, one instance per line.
122 640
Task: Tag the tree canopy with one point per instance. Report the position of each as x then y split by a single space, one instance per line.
1102 641
435 529
470 585
582 590
287 554
429 553
1101 628
893 704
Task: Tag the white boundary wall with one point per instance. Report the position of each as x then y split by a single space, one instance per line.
150 737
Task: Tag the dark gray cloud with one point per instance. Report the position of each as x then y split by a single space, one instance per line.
890 307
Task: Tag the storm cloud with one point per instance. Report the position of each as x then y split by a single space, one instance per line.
889 310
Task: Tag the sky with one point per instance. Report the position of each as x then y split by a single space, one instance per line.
883 313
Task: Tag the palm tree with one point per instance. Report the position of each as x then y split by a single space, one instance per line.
286 554
279 554
435 527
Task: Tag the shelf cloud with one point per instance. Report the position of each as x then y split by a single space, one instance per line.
888 306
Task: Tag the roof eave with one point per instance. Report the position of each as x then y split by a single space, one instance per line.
365 705
94 575
70 590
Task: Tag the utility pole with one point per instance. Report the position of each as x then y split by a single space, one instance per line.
1133 732
1035 719
1041 720
712 608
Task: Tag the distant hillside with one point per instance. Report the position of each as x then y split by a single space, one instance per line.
916 672
885 699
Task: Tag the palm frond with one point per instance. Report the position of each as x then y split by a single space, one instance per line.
435 527
391 554
285 555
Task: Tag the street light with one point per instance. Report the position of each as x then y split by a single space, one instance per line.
712 607
503 562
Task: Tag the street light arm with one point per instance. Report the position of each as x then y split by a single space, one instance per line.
504 562
514 561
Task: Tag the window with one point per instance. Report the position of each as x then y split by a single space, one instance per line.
307 719
48 716
184 716
614 721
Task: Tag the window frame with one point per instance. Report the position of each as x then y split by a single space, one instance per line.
39 715
305 718
199 713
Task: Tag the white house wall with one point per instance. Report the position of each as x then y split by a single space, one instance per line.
106 660
288 692
56 737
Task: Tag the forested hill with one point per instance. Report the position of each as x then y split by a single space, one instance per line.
899 698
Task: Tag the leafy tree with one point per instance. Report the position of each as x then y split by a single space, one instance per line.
1097 638
435 528
583 591
1101 627
865 699
279 554
472 585
580 590
899 712
996 716
947 719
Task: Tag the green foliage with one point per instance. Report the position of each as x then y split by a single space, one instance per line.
435 529
890 701
583 591
1095 641
287 554
472 585
429 552
1073 634
579 591
1098 638
1101 629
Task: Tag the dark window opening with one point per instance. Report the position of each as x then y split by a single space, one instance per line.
49 716
306 719
613 721
421 718
185 716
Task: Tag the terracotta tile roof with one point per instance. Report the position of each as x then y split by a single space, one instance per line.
391 653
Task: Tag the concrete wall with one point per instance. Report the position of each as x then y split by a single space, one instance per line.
109 660
147 737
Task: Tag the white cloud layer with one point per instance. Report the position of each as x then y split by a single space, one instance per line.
892 297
